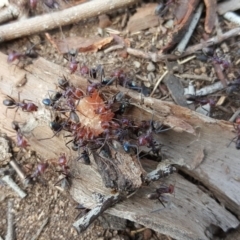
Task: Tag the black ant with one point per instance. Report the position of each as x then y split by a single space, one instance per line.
158 194
13 55
85 156
26 107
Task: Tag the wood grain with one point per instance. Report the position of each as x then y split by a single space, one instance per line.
196 143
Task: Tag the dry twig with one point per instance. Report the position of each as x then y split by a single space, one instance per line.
7 179
83 223
36 236
57 19
10 229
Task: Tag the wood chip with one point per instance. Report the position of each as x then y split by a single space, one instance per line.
144 18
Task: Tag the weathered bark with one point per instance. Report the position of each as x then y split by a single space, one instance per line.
197 143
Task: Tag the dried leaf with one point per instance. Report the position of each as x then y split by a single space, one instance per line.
83 44
144 18
98 45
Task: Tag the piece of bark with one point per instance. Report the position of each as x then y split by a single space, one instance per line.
226 6
79 43
179 30
211 15
191 133
144 18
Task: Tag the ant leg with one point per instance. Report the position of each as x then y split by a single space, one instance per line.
59 130
232 141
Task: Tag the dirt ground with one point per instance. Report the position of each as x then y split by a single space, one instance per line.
47 205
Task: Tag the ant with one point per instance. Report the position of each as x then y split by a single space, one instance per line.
199 100
26 107
85 156
62 162
51 101
158 194
13 55
69 91
41 168
21 141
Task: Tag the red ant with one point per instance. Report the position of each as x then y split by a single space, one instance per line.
62 162
160 191
41 168
12 56
21 141
69 91
199 100
26 107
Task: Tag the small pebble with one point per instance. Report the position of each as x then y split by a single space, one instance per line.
197 71
147 234
203 69
151 67
136 64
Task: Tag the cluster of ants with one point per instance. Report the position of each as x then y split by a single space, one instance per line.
69 105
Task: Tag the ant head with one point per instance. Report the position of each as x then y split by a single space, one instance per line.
63 83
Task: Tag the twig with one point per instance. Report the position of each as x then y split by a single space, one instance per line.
8 13
212 41
113 48
7 179
192 76
233 117
184 41
18 170
186 60
226 6
190 50
210 89
158 82
40 229
10 229
61 18
83 223
163 169
232 17
220 74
